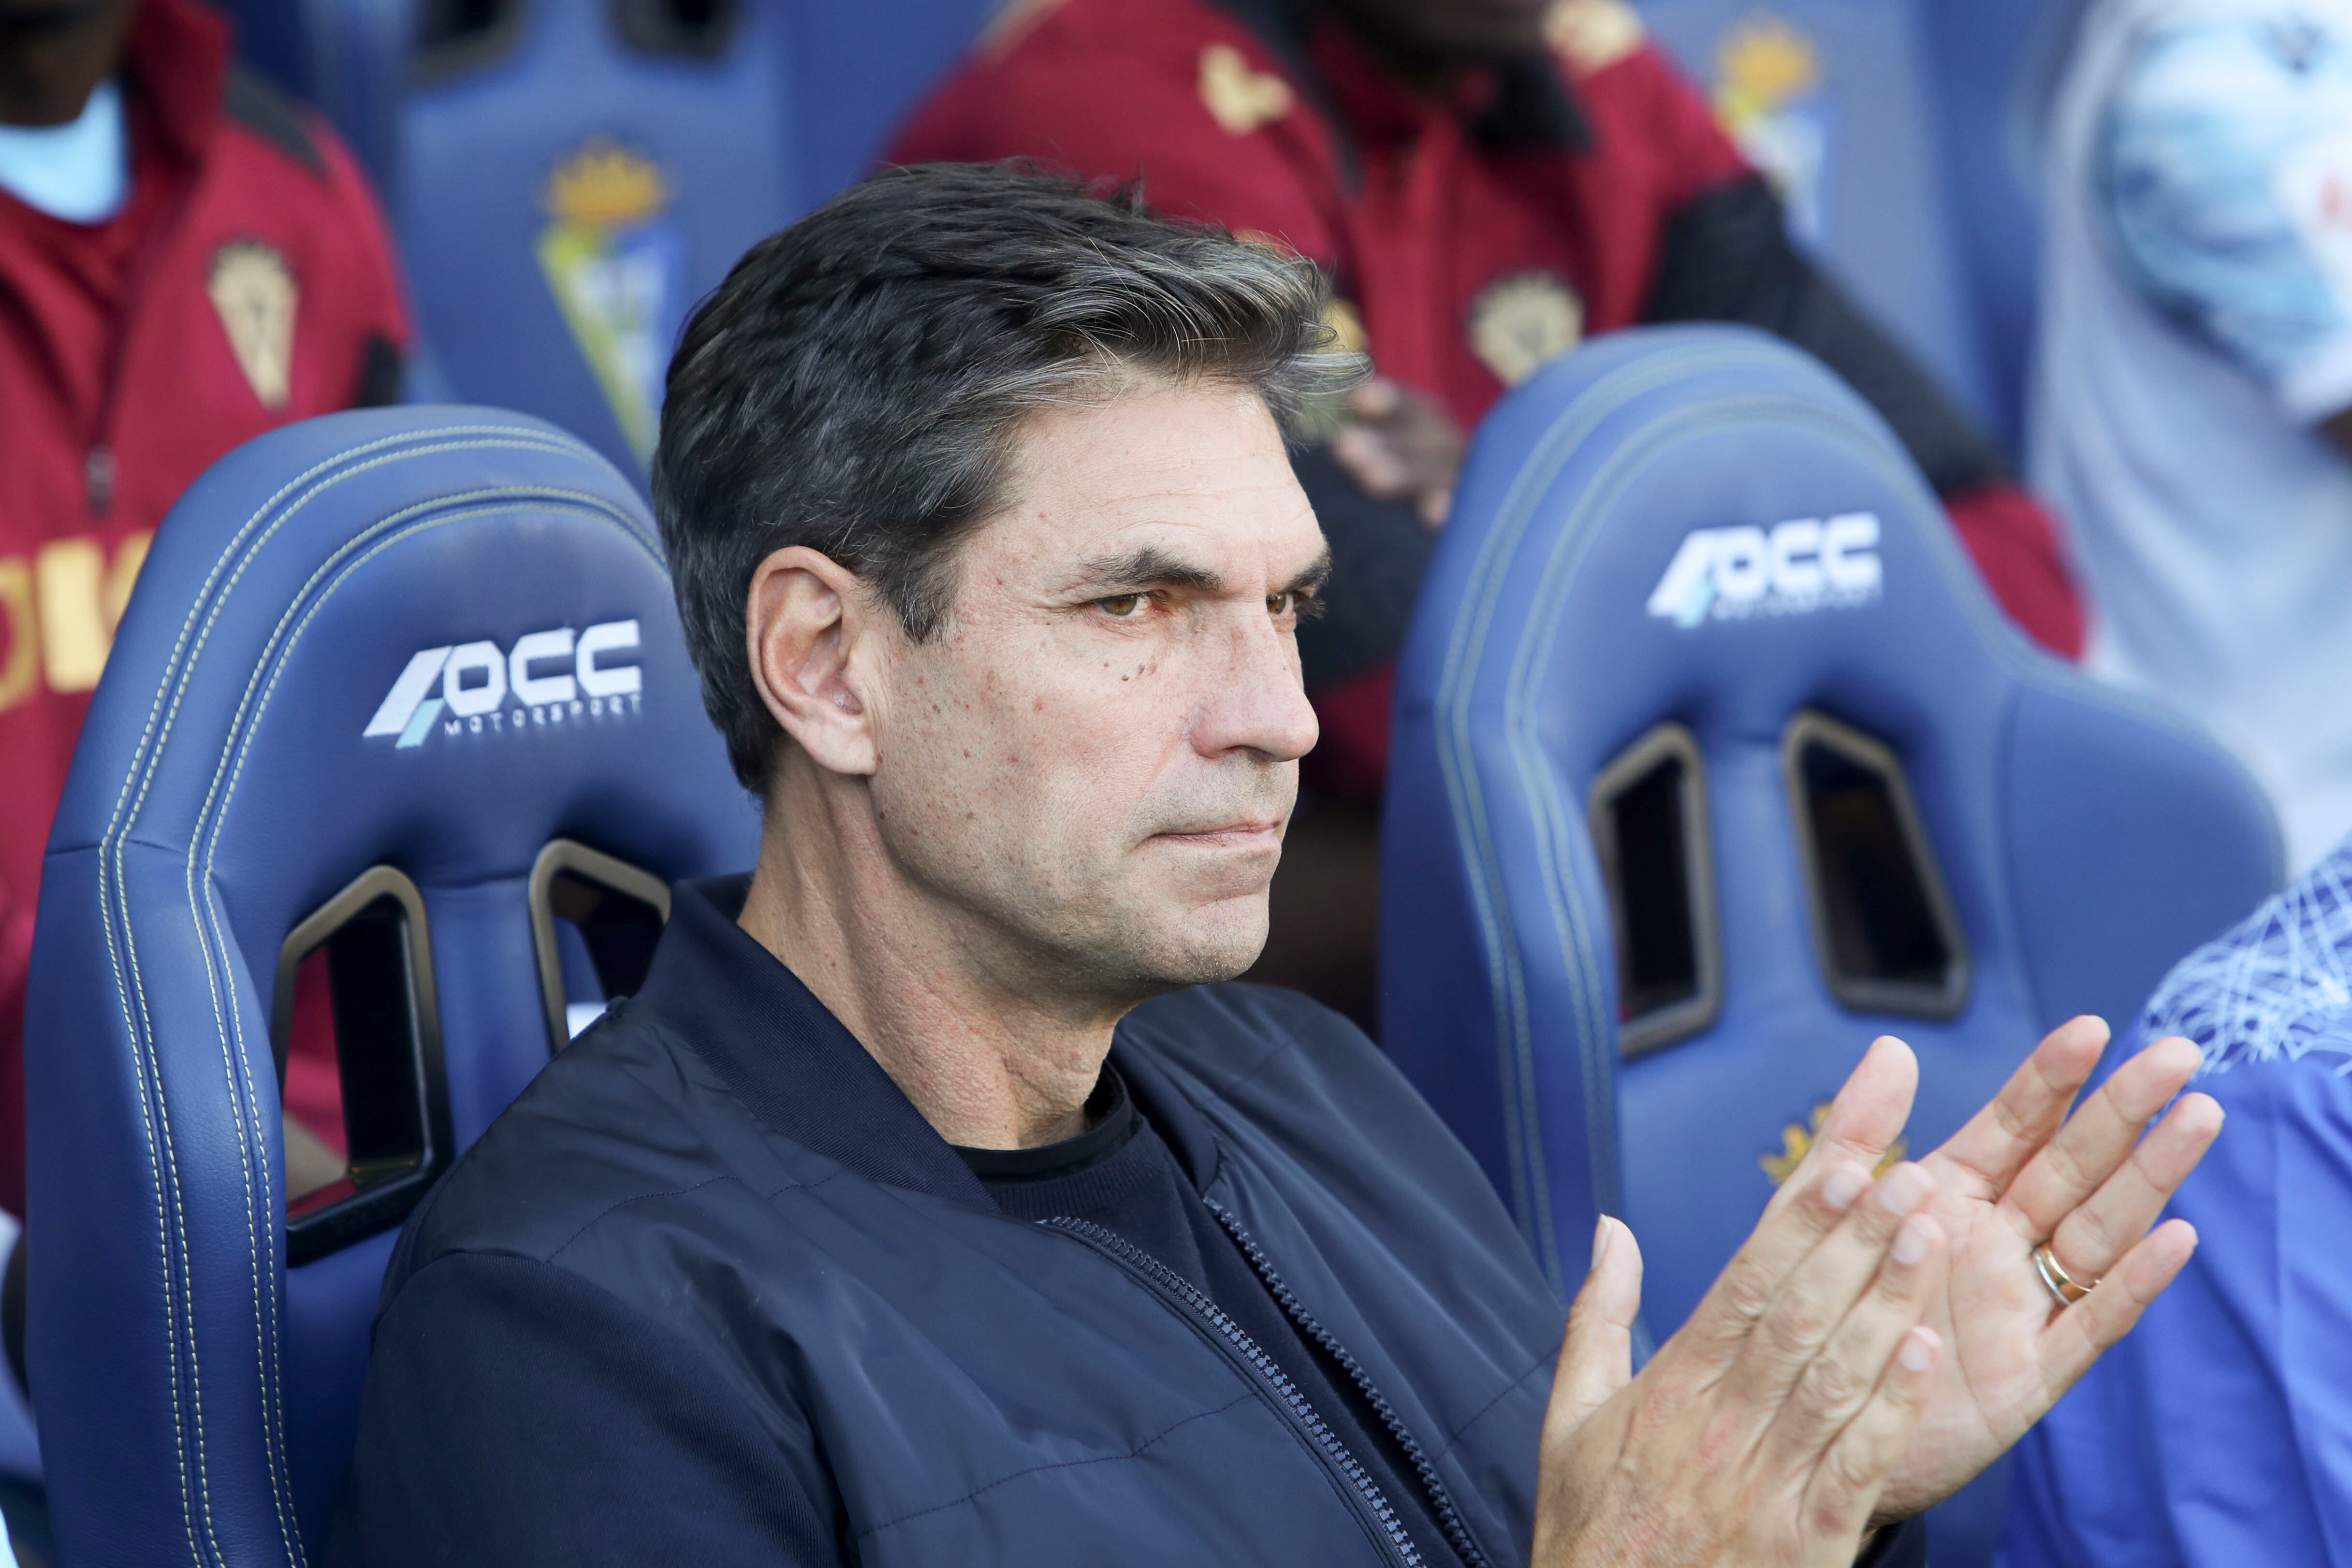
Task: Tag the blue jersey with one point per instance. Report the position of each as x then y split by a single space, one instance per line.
2220 1432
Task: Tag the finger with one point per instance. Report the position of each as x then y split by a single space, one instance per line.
1435 506
1845 1485
2030 1107
1823 1290
2078 1336
1808 1208
2091 1240
2098 1138
1596 1355
1867 1117
1833 1386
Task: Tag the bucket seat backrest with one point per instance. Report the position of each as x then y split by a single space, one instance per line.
400 701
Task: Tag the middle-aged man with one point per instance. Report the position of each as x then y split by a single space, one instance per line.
933 1204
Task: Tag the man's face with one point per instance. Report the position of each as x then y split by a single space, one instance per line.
1096 758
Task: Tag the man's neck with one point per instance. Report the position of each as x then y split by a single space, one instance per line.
52 60
990 1063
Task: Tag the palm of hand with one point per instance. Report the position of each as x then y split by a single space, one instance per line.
1991 1384
2021 1172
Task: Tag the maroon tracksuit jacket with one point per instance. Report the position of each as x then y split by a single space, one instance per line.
247 282
1574 191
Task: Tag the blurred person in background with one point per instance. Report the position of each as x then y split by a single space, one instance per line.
186 260
2193 401
2220 1433
1488 183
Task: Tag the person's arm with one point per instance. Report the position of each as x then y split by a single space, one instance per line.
515 1414
2222 1433
2224 179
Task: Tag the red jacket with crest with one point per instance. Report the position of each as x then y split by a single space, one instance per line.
247 282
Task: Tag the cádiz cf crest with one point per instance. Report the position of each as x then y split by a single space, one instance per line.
1770 99
253 290
1521 323
615 257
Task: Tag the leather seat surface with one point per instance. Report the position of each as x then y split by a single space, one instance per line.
197 1396
2087 839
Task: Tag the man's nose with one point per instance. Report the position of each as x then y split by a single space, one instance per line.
1255 700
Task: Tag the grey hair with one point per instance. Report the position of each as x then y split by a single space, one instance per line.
857 383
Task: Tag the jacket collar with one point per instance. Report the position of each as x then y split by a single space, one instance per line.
806 1078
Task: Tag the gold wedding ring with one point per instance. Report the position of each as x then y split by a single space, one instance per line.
2064 1289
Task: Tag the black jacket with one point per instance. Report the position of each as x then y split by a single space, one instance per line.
711 1291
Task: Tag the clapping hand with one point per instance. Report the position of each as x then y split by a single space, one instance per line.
1873 1344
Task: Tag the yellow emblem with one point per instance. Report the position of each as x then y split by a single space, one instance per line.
1592 34
615 257
1237 97
1796 1141
1761 66
253 290
1523 322
605 185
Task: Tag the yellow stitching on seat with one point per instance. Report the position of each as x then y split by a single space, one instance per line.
181 1303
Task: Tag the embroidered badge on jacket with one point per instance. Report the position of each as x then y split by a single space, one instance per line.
1238 99
1521 323
253 289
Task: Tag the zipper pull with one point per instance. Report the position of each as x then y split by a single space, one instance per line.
98 470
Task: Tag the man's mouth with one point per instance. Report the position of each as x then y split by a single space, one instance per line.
1246 832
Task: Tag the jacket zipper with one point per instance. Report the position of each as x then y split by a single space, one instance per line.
1441 1503
1246 1350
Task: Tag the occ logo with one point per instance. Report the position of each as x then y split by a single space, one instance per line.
1792 568
559 678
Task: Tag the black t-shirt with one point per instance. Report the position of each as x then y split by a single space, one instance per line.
1119 1174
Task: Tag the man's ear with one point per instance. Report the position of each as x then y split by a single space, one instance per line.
812 638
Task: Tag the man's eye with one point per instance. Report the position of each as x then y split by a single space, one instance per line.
1290 601
1123 606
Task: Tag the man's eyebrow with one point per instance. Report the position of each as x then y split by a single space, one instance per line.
1317 573
1148 566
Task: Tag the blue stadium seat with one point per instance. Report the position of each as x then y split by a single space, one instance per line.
569 177
1712 760
1839 102
401 693
1652 533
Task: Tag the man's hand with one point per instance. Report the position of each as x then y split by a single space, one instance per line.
1400 446
1763 1432
1697 1462
2021 1173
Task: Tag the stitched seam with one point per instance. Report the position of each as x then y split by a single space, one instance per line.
148 1071
619 1203
179 1299
265 1247
1134 1453
1459 767
1454 1437
229 1023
